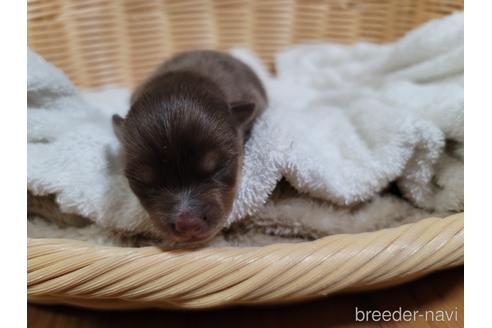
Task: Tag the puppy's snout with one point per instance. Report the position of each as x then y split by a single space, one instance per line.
189 225
189 219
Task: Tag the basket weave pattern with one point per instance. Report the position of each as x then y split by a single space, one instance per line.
109 277
102 42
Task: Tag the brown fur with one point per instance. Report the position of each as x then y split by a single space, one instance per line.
183 140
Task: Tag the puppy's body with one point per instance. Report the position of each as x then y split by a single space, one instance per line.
183 141
236 81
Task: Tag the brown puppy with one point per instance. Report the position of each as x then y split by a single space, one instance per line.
183 139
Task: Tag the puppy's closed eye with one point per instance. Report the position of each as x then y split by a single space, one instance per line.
143 174
210 162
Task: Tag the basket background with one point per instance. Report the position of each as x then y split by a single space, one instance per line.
118 42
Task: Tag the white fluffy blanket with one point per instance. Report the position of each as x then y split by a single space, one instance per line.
343 123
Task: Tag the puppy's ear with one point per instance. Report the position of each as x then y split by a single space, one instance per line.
243 113
118 123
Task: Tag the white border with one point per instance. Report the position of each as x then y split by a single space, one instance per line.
13 160
478 164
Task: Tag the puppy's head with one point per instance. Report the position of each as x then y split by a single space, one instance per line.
182 160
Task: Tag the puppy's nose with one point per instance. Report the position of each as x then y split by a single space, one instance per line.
190 225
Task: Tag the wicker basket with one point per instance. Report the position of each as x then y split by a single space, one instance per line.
101 42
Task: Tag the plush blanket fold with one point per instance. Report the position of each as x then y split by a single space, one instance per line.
345 124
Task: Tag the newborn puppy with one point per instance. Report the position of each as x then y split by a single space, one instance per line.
183 138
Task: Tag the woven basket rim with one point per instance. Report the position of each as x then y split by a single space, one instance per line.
84 274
